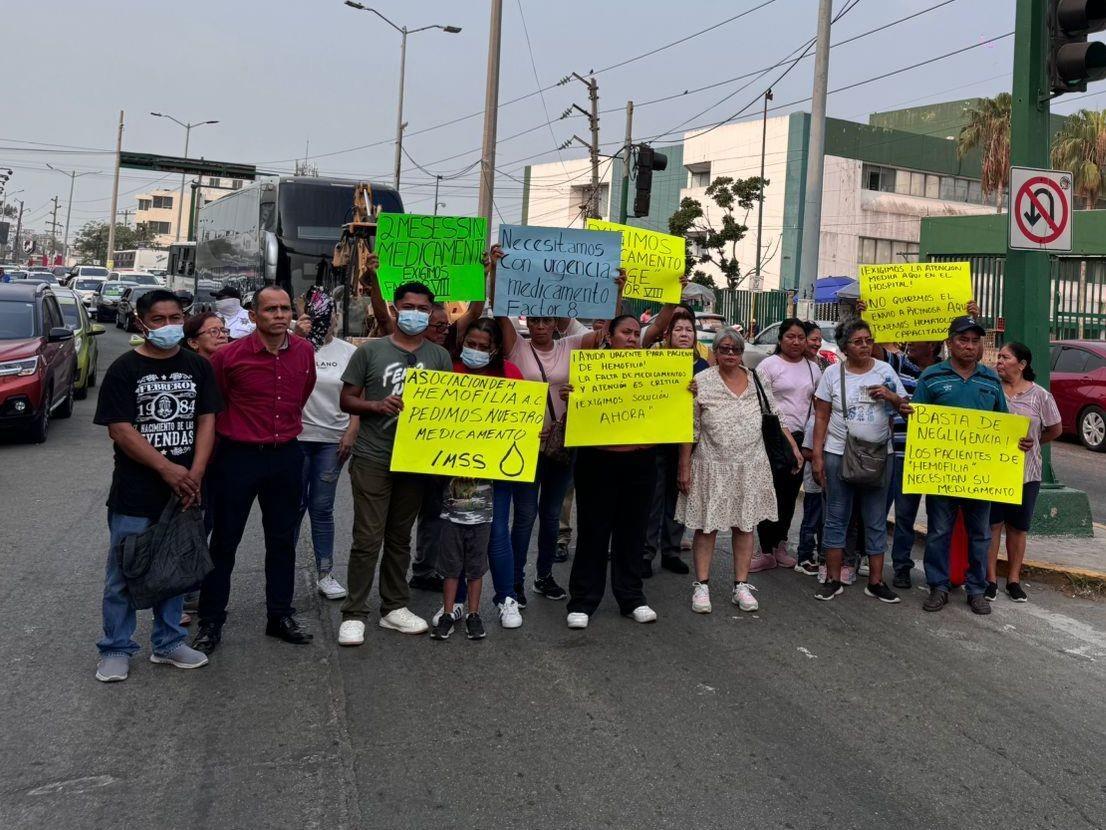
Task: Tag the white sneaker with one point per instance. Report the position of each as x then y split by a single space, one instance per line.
863 569
404 622
577 619
743 597
458 613
644 614
330 588
509 616
700 598
823 574
351 633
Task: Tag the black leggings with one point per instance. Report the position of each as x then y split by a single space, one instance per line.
771 533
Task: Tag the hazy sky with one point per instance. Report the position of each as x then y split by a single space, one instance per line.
278 74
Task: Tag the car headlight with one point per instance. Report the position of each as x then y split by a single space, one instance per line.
18 368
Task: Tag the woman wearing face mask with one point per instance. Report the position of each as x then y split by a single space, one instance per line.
327 437
793 377
228 305
545 359
614 490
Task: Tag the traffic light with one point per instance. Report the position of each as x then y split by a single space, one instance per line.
1072 59
648 160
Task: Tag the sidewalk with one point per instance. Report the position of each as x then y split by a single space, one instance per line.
1065 555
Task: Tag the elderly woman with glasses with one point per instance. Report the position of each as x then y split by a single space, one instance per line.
724 478
205 334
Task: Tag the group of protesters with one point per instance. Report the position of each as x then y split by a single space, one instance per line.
224 409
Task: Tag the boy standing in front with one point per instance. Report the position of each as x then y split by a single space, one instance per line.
463 550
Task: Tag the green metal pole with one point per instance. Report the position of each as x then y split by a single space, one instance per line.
1026 302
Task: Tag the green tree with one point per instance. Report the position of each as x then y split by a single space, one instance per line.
8 211
988 130
91 243
717 245
1080 146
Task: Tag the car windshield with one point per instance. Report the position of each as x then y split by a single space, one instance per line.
93 271
711 323
318 211
87 285
69 312
143 279
114 289
17 320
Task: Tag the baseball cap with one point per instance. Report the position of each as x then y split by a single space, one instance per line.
966 323
227 292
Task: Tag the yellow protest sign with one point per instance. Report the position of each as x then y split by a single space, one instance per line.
469 425
964 453
914 301
629 396
654 262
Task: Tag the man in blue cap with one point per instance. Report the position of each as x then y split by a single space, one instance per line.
962 382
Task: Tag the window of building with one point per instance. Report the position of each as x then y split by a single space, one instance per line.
158 227
933 187
922 185
214 182
143 204
162 202
880 251
878 178
698 174
235 184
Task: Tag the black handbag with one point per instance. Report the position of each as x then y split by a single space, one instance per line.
168 558
863 462
780 457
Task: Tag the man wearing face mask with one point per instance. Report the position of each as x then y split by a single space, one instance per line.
385 503
158 402
228 305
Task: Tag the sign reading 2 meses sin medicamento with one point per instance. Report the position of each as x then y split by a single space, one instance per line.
444 253
653 261
629 396
457 424
964 453
557 272
914 301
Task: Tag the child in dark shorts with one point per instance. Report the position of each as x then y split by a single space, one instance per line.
463 551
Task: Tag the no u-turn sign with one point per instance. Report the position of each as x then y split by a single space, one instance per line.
1040 209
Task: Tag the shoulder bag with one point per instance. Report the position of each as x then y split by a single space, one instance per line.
167 559
863 462
780 457
553 445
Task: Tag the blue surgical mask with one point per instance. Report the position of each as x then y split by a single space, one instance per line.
474 358
412 321
166 337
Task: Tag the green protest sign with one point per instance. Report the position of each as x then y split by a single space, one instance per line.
442 252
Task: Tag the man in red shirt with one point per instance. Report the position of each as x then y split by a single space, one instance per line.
266 378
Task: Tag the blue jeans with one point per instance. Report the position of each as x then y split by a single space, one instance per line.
810 532
906 512
119 613
501 552
840 497
321 469
941 516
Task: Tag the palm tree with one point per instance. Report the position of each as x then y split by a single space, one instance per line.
1080 146
988 129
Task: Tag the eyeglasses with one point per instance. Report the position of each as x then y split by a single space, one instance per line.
728 350
439 326
862 341
215 332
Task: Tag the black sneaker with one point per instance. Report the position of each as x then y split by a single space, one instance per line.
562 552
443 629
829 589
474 627
429 582
674 564
901 580
1015 592
990 593
808 567
547 586
520 595
936 600
207 639
978 604
881 592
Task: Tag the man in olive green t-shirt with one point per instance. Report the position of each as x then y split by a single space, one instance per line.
385 504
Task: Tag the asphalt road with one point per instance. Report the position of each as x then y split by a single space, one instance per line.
1078 467
849 714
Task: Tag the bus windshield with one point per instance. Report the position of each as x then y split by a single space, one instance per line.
318 211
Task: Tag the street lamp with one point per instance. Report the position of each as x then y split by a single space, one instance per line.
187 131
72 174
404 31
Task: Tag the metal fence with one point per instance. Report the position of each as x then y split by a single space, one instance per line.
735 306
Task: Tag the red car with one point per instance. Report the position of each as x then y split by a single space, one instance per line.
1078 382
38 359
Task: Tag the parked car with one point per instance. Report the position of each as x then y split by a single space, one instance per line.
1078 382
124 312
84 337
765 341
38 361
87 288
137 277
707 325
82 271
107 299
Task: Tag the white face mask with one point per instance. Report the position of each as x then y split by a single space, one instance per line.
227 306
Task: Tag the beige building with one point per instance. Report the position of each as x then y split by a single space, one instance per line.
159 208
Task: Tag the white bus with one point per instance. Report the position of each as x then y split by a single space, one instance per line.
142 259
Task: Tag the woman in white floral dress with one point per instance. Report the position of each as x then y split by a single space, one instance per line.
725 480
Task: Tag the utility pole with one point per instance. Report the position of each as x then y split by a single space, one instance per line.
126 213
437 184
758 281
627 152
18 231
491 112
54 228
816 156
109 259
592 114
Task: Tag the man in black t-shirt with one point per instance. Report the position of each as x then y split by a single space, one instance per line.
158 403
